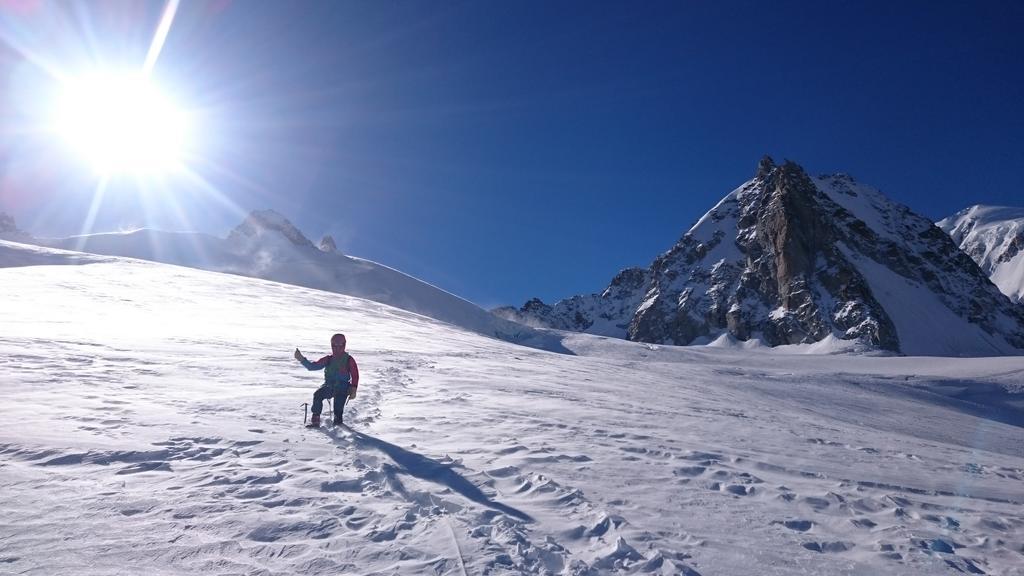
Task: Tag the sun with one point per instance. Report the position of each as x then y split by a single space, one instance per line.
121 123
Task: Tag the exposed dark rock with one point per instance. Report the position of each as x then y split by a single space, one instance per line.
1015 245
764 167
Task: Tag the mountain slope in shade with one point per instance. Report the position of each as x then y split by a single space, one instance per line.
994 237
266 245
787 258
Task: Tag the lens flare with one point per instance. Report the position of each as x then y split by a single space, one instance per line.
122 123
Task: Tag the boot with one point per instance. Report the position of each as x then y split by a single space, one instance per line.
315 422
337 420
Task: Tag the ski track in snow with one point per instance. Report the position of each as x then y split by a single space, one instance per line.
152 423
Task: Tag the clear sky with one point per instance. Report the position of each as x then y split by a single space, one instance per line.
505 150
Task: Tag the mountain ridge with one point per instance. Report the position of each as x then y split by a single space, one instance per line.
786 258
267 245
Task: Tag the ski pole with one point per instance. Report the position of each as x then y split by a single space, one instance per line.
305 409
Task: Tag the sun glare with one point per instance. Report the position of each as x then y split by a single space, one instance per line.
121 123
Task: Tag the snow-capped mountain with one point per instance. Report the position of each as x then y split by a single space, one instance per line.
265 228
151 423
266 245
787 258
994 237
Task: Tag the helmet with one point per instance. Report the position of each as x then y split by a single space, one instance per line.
338 341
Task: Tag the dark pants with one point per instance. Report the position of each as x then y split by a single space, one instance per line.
340 393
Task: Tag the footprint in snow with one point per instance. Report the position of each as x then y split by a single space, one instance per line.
796 525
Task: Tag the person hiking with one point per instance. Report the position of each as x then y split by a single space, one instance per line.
341 378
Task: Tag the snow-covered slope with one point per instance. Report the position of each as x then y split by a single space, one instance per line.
151 424
787 259
994 237
266 245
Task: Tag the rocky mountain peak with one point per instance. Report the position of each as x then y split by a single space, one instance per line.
260 223
788 258
535 305
629 279
788 223
764 167
327 245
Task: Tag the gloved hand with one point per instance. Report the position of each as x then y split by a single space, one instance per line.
298 355
351 392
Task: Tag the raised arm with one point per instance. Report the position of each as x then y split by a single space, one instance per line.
318 365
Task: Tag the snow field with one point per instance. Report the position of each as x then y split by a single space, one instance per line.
151 421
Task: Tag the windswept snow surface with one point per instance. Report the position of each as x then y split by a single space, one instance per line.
151 424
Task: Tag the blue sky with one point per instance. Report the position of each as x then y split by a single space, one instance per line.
505 150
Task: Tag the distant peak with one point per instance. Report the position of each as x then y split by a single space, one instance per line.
792 167
259 222
534 305
268 217
7 223
838 178
327 244
983 214
764 167
9 229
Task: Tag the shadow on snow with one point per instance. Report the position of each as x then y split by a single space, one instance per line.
419 466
